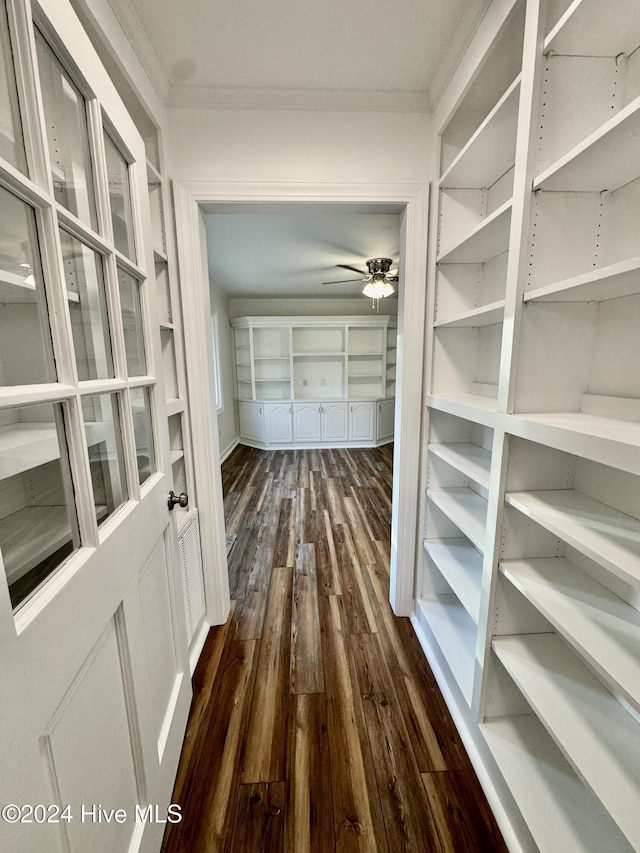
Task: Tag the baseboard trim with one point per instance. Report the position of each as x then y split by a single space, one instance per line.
197 645
229 449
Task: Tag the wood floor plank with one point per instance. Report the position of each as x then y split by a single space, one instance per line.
359 612
284 552
358 821
260 574
465 825
310 823
260 818
360 531
306 674
327 567
265 750
407 816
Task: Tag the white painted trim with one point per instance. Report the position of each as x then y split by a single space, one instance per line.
197 645
226 453
312 100
414 197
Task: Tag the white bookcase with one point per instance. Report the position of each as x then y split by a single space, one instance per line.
313 367
528 585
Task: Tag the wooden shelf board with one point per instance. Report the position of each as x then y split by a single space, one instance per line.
490 152
24 446
30 535
327 354
473 461
605 160
599 738
598 531
455 634
485 241
176 455
552 800
485 315
473 407
466 509
271 358
175 406
601 627
159 255
594 28
461 566
598 285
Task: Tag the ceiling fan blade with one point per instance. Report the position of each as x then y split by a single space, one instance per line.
391 277
395 271
346 281
353 269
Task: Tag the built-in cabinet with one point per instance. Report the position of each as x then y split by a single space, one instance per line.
527 591
320 380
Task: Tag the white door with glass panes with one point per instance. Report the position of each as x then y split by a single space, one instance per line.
94 684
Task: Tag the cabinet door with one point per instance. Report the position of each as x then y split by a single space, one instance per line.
277 422
334 422
361 421
251 421
306 422
386 413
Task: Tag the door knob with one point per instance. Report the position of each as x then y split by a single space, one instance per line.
181 500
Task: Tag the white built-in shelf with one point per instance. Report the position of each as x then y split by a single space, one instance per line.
607 159
485 241
325 354
484 315
470 459
594 28
553 801
491 150
24 446
271 358
601 627
466 509
175 406
30 535
598 531
153 175
376 376
455 633
176 456
475 407
460 564
166 325
14 289
159 255
598 285
599 738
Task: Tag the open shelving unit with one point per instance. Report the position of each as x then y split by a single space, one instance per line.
527 590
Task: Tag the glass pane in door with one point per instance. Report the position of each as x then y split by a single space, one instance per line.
106 457
68 136
84 281
25 340
132 323
11 141
119 199
38 528
143 433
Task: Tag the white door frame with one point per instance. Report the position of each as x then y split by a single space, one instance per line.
413 200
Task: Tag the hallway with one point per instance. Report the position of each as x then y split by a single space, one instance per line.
316 724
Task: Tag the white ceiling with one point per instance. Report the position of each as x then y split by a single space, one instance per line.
277 251
217 51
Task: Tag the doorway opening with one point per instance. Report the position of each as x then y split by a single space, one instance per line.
409 204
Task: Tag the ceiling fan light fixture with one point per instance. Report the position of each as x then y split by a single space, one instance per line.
378 288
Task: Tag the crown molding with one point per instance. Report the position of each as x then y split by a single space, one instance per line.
343 100
132 26
464 32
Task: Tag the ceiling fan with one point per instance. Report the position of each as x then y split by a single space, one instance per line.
378 281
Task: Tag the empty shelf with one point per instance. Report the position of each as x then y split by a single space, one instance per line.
466 509
594 28
485 315
488 239
602 628
461 566
598 531
597 736
597 285
470 459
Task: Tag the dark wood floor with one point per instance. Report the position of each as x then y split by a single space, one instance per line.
316 724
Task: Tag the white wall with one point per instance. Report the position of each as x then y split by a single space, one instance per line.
255 145
228 419
314 307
